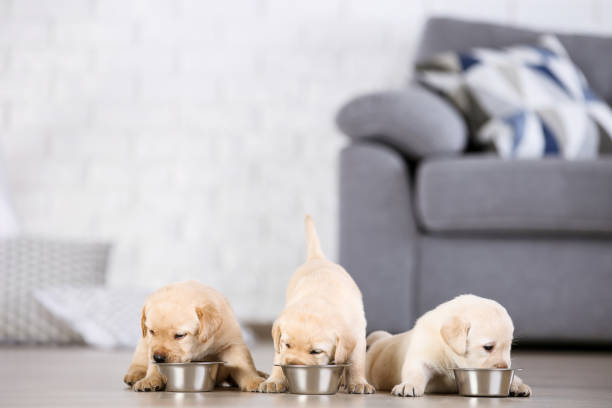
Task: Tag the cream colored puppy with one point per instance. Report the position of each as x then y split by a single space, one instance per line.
323 321
466 332
189 321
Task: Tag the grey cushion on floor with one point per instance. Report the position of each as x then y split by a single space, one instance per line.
592 54
414 120
488 194
27 264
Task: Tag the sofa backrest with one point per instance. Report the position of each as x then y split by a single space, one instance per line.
593 54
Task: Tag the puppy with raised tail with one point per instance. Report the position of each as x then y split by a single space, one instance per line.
189 321
466 332
323 321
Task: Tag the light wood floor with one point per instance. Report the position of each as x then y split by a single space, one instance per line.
69 377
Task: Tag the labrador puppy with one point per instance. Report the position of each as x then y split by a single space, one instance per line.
466 332
189 321
323 321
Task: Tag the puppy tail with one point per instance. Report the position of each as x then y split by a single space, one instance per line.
375 336
312 240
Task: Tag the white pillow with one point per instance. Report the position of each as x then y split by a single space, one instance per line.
105 318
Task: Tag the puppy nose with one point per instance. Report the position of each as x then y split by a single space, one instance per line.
503 364
159 358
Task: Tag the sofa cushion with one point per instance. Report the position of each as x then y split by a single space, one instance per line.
487 194
524 101
592 53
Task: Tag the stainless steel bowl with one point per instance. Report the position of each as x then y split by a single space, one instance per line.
314 380
484 382
189 377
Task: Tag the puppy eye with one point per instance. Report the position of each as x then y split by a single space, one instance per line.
152 332
287 345
488 347
179 336
316 351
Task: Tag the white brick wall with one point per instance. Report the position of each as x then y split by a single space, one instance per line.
196 134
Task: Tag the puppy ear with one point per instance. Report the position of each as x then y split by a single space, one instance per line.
210 321
276 334
143 319
344 347
454 332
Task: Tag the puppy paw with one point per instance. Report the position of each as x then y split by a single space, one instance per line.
408 390
519 390
273 385
251 384
134 374
151 383
360 388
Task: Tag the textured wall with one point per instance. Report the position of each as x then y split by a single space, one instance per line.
196 134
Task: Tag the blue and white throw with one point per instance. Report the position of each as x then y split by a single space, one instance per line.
527 101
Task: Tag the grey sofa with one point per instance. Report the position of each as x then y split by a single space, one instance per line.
423 219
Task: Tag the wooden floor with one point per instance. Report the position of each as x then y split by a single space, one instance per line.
69 377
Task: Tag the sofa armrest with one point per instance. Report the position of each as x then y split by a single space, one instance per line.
415 121
378 234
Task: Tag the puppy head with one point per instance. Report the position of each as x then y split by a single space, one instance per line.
479 335
304 339
176 333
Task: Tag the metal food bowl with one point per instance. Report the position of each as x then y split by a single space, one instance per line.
314 379
189 377
484 382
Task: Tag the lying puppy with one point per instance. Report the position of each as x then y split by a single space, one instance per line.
189 321
323 321
466 332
